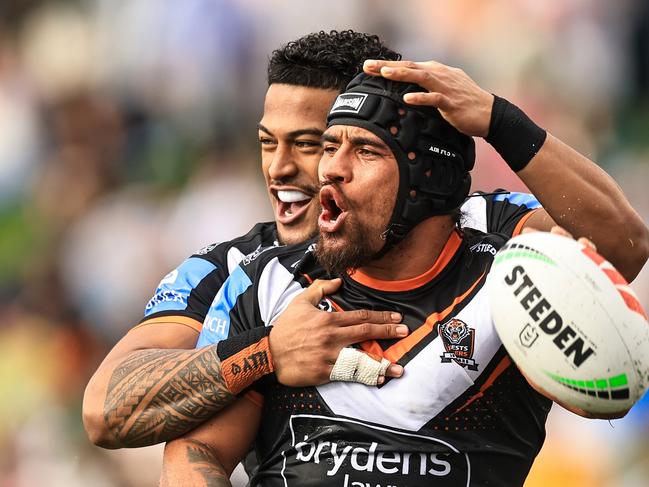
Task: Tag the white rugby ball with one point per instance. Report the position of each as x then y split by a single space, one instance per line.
570 322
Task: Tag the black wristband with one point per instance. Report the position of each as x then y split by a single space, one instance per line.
513 134
245 358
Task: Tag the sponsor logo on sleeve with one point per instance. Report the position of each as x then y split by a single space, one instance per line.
175 288
252 256
349 453
349 102
206 250
483 247
166 296
458 340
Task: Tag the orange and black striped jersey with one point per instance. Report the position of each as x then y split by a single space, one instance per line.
461 415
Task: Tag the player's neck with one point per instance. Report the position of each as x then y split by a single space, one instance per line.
415 254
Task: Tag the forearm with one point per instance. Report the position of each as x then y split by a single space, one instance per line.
585 200
157 395
192 462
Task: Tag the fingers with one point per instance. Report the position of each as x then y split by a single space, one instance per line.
425 74
426 78
584 241
394 370
433 99
370 331
319 289
353 365
557 230
346 318
374 66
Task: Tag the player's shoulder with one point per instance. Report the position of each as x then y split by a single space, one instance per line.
479 242
500 196
498 211
290 258
261 235
191 286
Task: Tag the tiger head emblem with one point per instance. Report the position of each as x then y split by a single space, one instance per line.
455 331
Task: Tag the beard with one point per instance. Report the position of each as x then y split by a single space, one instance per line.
349 249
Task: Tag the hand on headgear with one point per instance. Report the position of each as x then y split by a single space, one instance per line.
434 158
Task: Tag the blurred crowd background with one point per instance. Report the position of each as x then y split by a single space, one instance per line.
128 140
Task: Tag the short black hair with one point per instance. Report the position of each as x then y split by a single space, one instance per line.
327 60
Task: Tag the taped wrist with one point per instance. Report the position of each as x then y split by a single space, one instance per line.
513 134
245 358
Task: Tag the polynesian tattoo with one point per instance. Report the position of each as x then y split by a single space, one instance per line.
202 464
158 395
204 460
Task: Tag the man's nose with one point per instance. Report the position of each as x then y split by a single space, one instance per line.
336 167
283 164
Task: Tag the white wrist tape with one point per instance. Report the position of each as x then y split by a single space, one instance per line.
352 365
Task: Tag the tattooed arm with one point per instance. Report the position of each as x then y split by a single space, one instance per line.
192 462
206 456
147 392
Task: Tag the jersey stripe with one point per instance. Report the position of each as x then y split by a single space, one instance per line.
500 368
448 251
521 199
172 320
403 346
217 321
521 223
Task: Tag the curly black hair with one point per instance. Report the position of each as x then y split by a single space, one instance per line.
327 60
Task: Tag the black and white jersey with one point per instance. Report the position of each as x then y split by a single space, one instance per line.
500 212
188 291
461 415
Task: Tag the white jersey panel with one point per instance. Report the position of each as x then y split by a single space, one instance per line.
428 384
474 212
276 289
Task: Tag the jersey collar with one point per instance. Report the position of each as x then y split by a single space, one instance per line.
448 251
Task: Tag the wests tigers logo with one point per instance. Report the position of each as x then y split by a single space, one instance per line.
458 340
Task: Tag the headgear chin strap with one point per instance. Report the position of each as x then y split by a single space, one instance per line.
434 158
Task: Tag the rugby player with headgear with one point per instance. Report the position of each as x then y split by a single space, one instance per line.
393 176
140 394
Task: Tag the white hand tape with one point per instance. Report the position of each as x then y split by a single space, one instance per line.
352 365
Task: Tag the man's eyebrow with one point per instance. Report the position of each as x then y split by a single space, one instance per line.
356 140
330 138
295 133
359 140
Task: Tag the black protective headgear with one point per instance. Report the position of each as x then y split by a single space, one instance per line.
434 159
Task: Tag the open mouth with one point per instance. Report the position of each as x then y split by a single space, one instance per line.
291 204
333 210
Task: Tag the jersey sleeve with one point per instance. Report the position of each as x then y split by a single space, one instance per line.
188 292
499 212
254 294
